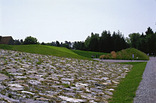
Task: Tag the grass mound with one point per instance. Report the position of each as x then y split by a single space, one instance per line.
88 54
126 54
43 49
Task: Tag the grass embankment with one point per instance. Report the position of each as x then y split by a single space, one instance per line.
43 49
126 54
125 92
88 54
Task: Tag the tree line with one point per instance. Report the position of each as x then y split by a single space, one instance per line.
106 42
145 42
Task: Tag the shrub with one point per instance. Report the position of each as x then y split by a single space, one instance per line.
113 54
102 56
30 40
126 54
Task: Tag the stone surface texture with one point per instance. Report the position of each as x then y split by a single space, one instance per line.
34 78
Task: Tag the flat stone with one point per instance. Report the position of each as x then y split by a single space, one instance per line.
17 74
32 101
42 99
67 79
72 99
15 87
110 89
2 87
104 78
34 82
20 77
66 82
70 94
95 90
27 92
81 85
68 89
108 92
10 100
3 77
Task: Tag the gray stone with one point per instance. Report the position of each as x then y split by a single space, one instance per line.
72 99
34 82
15 87
3 77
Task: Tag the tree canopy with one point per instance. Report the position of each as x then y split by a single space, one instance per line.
30 40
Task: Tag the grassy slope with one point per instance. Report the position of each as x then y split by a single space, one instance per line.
125 92
88 54
126 54
42 49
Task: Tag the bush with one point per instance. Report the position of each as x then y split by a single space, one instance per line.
113 53
126 54
30 40
102 56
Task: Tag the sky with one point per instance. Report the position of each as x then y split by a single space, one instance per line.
74 20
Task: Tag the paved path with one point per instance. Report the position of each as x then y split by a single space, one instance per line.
146 92
108 60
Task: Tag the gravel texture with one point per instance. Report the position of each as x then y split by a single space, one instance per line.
146 92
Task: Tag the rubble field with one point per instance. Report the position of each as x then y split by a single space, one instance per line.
35 78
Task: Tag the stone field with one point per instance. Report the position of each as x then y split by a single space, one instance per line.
35 78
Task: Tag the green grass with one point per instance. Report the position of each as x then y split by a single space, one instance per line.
88 54
125 92
43 49
126 54
52 50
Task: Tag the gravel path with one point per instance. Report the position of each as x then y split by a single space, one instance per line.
146 92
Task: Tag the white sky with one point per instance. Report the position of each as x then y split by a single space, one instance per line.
74 20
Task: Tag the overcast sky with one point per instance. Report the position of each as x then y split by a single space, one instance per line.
74 20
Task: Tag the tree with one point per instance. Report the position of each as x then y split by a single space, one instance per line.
43 43
134 40
79 45
17 42
118 42
105 42
30 40
149 31
57 43
22 42
151 41
92 42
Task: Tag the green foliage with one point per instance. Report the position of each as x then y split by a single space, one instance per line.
88 54
30 40
126 54
145 42
125 92
106 42
43 49
134 38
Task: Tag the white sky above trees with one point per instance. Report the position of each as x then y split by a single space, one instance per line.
74 20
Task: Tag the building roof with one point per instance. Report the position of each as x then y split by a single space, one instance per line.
6 40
